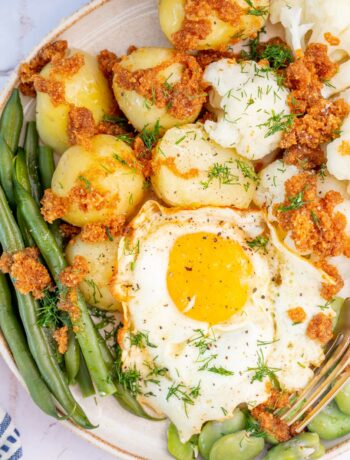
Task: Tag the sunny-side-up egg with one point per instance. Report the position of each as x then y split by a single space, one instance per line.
204 310
248 100
271 191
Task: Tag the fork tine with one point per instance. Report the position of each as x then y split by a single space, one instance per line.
322 387
342 380
342 346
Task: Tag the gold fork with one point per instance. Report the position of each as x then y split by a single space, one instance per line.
328 379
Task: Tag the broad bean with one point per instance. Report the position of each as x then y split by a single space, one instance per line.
331 423
178 449
237 446
302 447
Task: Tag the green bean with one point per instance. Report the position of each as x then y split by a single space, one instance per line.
72 357
84 380
343 399
31 147
27 237
212 431
17 343
47 168
238 446
6 159
54 258
336 305
12 120
302 447
46 165
11 241
331 423
179 450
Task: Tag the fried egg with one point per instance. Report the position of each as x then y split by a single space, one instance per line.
206 295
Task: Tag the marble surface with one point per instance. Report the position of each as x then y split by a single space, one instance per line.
23 23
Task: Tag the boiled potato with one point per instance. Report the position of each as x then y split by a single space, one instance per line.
141 111
191 170
101 257
222 32
86 88
106 176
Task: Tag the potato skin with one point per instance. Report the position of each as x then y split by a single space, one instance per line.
172 15
137 109
109 167
182 162
87 88
101 257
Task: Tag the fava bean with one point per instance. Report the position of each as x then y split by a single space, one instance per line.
237 446
302 447
343 399
331 423
178 449
212 431
337 306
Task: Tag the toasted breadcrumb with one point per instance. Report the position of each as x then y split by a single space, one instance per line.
68 230
54 89
106 60
81 126
61 337
53 206
320 328
268 422
93 233
206 57
29 275
305 157
297 314
181 99
67 66
196 25
69 304
329 290
27 71
73 275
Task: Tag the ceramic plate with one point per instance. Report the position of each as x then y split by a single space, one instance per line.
115 25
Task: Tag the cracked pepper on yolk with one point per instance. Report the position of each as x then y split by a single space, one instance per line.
207 276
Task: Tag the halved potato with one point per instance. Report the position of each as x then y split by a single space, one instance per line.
101 182
101 257
142 111
224 27
86 88
192 170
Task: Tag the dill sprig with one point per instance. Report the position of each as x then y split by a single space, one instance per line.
121 121
202 341
260 242
278 122
48 313
247 171
327 305
296 202
125 138
150 136
86 182
222 173
256 10
279 56
254 429
263 370
220 370
130 378
140 339
186 395
96 291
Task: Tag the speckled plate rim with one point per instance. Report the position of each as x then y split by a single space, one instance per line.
343 445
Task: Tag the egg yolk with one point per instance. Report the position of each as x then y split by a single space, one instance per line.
207 276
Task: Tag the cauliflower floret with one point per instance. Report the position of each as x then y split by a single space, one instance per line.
250 105
338 154
329 21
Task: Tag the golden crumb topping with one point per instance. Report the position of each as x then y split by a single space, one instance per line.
53 206
73 275
93 233
320 328
297 315
60 335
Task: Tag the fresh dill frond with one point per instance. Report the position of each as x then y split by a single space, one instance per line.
247 171
184 394
296 202
263 370
86 182
222 173
150 136
125 138
260 242
253 428
279 56
48 313
140 339
256 10
121 121
277 122
130 378
327 305
220 370
96 291
202 341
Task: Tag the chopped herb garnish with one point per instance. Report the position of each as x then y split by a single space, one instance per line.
278 122
121 121
109 236
327 305
130 378
254 429
256 10
247 170
260 242
181 392
263 370
180 140
48 313
224 411
150 136
222 173
315 219
262 343
296 202
125 138
140 339
220 370
86 183
95 290
279 56
202 341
